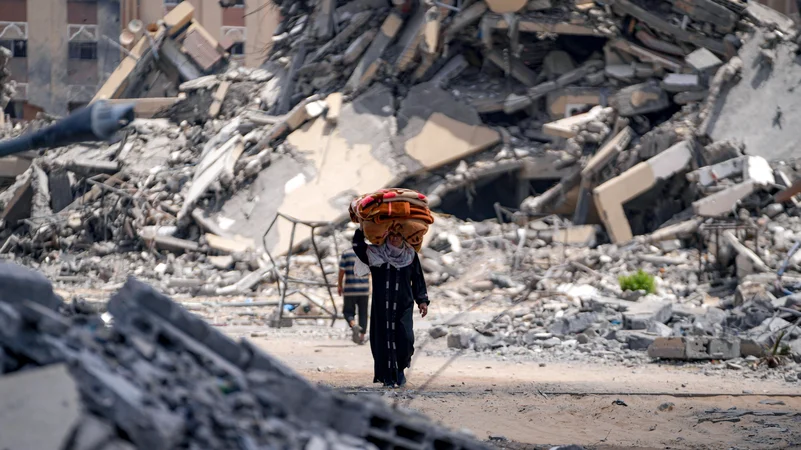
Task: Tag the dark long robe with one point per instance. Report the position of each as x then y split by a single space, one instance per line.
395 292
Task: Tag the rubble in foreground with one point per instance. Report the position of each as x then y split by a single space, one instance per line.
618 117
160 378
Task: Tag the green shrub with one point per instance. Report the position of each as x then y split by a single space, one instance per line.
638 281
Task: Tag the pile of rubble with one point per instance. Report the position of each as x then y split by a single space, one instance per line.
658 128
161 378
6 87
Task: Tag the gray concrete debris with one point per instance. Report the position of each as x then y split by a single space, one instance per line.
173 363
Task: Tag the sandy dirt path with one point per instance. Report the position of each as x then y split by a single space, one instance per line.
568 403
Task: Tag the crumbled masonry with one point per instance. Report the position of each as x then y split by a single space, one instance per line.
560 144
161 378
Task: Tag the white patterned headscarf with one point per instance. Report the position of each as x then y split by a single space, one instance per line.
397 257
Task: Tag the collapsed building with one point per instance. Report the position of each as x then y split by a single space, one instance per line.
626 134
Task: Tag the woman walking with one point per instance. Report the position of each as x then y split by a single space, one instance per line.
398 284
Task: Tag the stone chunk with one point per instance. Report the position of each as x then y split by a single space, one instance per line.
695 348
461 338
18 284
642 315
438 332
641 98
573 324
636 340
703 60
681 82
40 408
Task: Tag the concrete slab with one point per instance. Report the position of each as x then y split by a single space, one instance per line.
444 140
610 196
40 407
760 109
333 164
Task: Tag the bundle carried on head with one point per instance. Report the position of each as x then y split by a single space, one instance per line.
395 210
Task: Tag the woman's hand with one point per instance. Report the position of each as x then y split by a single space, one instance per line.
423 307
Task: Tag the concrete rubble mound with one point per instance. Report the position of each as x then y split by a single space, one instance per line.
161 378
580 141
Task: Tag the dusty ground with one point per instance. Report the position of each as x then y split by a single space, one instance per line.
567 403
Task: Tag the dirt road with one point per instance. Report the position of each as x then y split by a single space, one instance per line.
660 406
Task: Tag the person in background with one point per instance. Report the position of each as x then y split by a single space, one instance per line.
355 292
398 283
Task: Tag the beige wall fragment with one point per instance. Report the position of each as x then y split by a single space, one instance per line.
612 195
443 140
506 6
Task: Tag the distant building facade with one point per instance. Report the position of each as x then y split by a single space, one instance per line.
62 51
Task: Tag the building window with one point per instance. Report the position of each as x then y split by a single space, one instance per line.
238 49
18 47
83 50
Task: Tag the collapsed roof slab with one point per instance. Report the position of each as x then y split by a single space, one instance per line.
762 109
358 155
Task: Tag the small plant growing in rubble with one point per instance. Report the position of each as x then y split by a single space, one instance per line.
777 355
638 281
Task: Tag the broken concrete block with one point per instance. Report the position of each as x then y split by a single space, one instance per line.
437 332
646 56
223 262
610 196
749 347
461 338
583 235
573 324
19 284
622 72
766 16
758 169
695 348
641 315
635 339
708 11
40 407
568 127
724 202
712 348
709 175
703 60
640 99
680 82
568 101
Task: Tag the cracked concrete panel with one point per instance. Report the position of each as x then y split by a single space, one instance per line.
443 140
435 128
762 110
38 408
333 165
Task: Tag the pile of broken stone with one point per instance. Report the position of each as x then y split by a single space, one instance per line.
6 85
161 378
627 126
